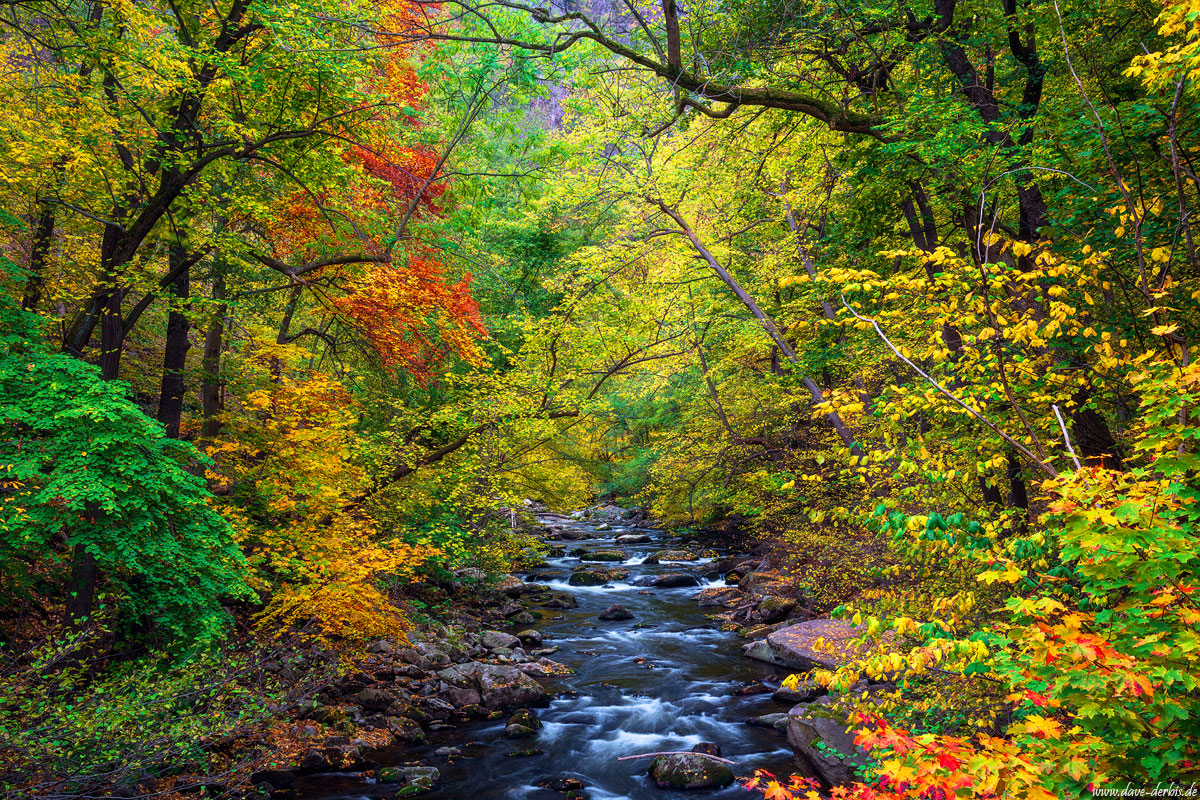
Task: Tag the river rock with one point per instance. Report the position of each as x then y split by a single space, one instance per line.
459 697
274 780
616 612
690 771
796 647
494 640
522 724
768 720
514 587
522 618
543 668
508 687
774 609
587 578
530 637
670 555
633 538
806 691
374 698
603 555
405 730
719 597
823 748
604 526
379 646
668 580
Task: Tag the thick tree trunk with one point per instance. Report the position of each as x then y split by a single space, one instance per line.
81 592
170 399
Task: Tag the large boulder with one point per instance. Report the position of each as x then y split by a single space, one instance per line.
633 538
816 644
508 687
405 730
494 640
690 771
823 748
668 580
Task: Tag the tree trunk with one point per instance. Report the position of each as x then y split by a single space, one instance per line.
42 238
211 401
81 592
170 399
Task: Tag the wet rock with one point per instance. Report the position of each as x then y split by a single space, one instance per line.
712 555
514 587
633 538
274 780
405 730
587 578
805 691
823 748
437 708
719 597
774 609
493 640
604 526
767 720
447 752
604 555
532 751
459 698
616 612
374 698
668 580
758 687
508 687
562 601
690 771
707 748
530 637
671 555
525 718
333 758
562 785
519 731
543 668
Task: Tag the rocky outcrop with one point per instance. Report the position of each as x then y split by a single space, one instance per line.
493 640
719 597
509 687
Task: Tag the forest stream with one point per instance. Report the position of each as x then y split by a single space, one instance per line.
665 680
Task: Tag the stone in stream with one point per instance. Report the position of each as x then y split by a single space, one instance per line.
604 526
616 612
806 691
405 730
768 720
671 555
587 578
529 636
690 771
668 580
523 618
633 538
522 724
603 555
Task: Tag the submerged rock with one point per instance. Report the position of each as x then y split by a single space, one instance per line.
690 771
616 612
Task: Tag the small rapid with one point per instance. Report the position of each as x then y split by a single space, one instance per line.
665 680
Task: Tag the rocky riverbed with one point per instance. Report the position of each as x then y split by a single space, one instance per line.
624 643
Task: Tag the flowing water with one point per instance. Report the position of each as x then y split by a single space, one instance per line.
664 680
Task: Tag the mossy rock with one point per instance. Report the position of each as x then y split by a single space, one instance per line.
690 771
603 555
